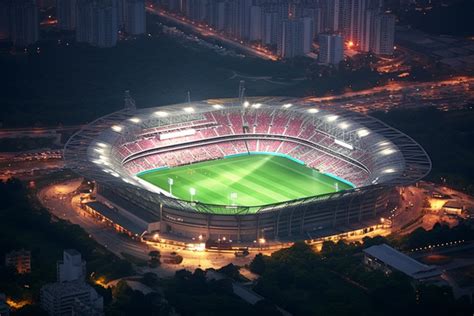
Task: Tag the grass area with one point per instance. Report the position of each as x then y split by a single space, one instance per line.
257 180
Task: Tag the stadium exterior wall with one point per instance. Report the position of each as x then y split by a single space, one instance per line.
296 221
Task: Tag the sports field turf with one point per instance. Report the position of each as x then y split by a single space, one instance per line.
257 180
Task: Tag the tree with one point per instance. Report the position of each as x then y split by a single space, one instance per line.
154 258
258 264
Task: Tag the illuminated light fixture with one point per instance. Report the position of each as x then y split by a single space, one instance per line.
331 118
256 105
389 170
161 113
189 109
103 145
97 161
387 151
313 110
117 128
383 143
287 105
135 120
99 150
246 104
363 132
217 106
344 125
343 144
106 171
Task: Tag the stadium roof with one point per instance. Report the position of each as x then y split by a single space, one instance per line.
401 262
115 217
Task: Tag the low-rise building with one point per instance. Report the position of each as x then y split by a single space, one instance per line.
71 295
65 298
385 258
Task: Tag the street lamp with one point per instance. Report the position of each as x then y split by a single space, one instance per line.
192 191
170 183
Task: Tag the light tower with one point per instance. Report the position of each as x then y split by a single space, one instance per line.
170 183
241 91
129 101
192 192
188 97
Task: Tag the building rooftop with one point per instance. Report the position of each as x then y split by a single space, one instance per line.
72 252
115 217
401 262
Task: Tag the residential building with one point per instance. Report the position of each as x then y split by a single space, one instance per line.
331 49
72 267
20 260
70 295
24 24
66 14
135 20
59 299
5 7
296 38
383 34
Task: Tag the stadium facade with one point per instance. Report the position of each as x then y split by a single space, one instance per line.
357 148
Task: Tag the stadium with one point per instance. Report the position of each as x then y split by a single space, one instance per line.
233 169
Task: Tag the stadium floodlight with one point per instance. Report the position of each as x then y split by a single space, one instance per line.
256 105
233 197
103 145
343 144
246 104
217 106
170 183
344 125
135 120
389 170
192 192
363 132
117 128
313 110
331 118
161 113
387 151
189 109
99 150
383 144
287 105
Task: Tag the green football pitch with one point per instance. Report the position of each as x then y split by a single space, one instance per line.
248 180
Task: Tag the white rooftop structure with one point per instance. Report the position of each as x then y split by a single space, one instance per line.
401 262
72 267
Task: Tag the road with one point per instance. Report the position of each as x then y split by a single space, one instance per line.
61 201
445 95
211 33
